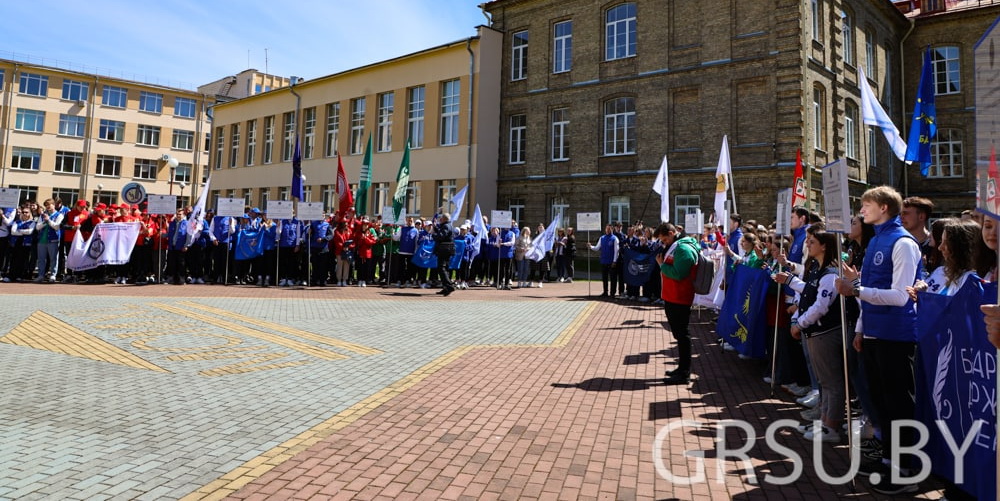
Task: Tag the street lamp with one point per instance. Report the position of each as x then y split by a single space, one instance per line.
172 163
183 185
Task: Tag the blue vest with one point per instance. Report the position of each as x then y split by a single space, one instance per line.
407 240
890 323
221 229
270 237
608 245
319 230
52 235
506 251
291 232
23 240
796 251
177 234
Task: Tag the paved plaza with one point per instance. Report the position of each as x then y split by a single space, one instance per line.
208 392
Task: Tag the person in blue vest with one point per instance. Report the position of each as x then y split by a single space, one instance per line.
22 239
221 230
618 273
401 267
177 242
607 246
290 232
320 234
886 332
48 233
506 247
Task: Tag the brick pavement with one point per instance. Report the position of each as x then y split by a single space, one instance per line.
571 413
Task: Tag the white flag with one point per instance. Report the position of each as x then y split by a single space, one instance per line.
872 113
479 227
662 188
110 243
459 201
196 220
544 241
722 180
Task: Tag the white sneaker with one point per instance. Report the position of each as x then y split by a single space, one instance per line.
728 347
808 427
425 286
52 278
569 280
794 389
767 379
810 400
825 434
539 285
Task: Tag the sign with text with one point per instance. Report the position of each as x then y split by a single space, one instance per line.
836 202
279 209
10 197
588 221
784 215
388 216
501 218
232 207
694 222
162 204
311 211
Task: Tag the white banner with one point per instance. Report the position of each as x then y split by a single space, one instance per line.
110 243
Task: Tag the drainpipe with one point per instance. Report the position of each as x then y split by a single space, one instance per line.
88 142
196 161
298 105
472 101
7 98
902 98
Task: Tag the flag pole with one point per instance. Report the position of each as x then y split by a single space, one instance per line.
729 175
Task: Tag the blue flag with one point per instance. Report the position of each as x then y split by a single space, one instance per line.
424 256
638 267
923 129
742 321
297 190
456 260
249 244
956 382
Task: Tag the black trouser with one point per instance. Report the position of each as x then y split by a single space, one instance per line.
609 274
320 266
443 273
140 260
889 370
678 316
220 260
288 264
175 265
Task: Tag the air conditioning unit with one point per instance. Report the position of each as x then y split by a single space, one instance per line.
165 157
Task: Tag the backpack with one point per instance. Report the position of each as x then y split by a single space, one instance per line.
704 275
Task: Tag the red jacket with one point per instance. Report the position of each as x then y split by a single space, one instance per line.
340 238
364 241
677 272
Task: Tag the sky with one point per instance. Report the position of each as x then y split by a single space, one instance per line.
187 43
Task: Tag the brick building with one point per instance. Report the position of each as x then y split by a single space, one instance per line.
594 95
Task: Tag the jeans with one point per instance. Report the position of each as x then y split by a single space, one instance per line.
47 261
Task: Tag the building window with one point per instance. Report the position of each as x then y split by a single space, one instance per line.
562 47
381 196
2 76
560 137
516 208
34 85
26 158
413 199
182 140
619 210
268 139
851 126
518 140
847 26
265 198
684 205
148 135
30 120
71 125
445 191
182 174
69 162
871 69
116 97
619 126
328 192
357 125
559 208
947 153
449 113
872 147
947 78
73 90
108 166
251 141
816 33
144 169
208 142
415 117
234 144
332 128
620 33
67 195
184 107
151 102
819 118
309 132
248 197
220 145
27 192
386 103
111 130
519 56
288 139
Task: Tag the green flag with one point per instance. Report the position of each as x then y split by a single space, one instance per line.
364 182
402 181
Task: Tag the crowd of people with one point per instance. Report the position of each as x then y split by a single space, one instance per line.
889 255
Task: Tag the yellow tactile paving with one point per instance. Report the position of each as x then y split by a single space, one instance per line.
253 469
247 331
45 332
337 343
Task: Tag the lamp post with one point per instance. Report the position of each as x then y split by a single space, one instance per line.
172 163
183 185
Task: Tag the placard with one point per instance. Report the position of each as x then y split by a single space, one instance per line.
501 218
694 222
588 221
232 207
279 209
783 216
162 204
10 197
388 216
311 211
836 204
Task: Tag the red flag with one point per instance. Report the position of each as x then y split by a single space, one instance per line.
343 188
799 184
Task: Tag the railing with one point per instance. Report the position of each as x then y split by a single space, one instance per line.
71 66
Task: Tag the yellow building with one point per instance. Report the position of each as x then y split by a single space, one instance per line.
423 97
75 135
